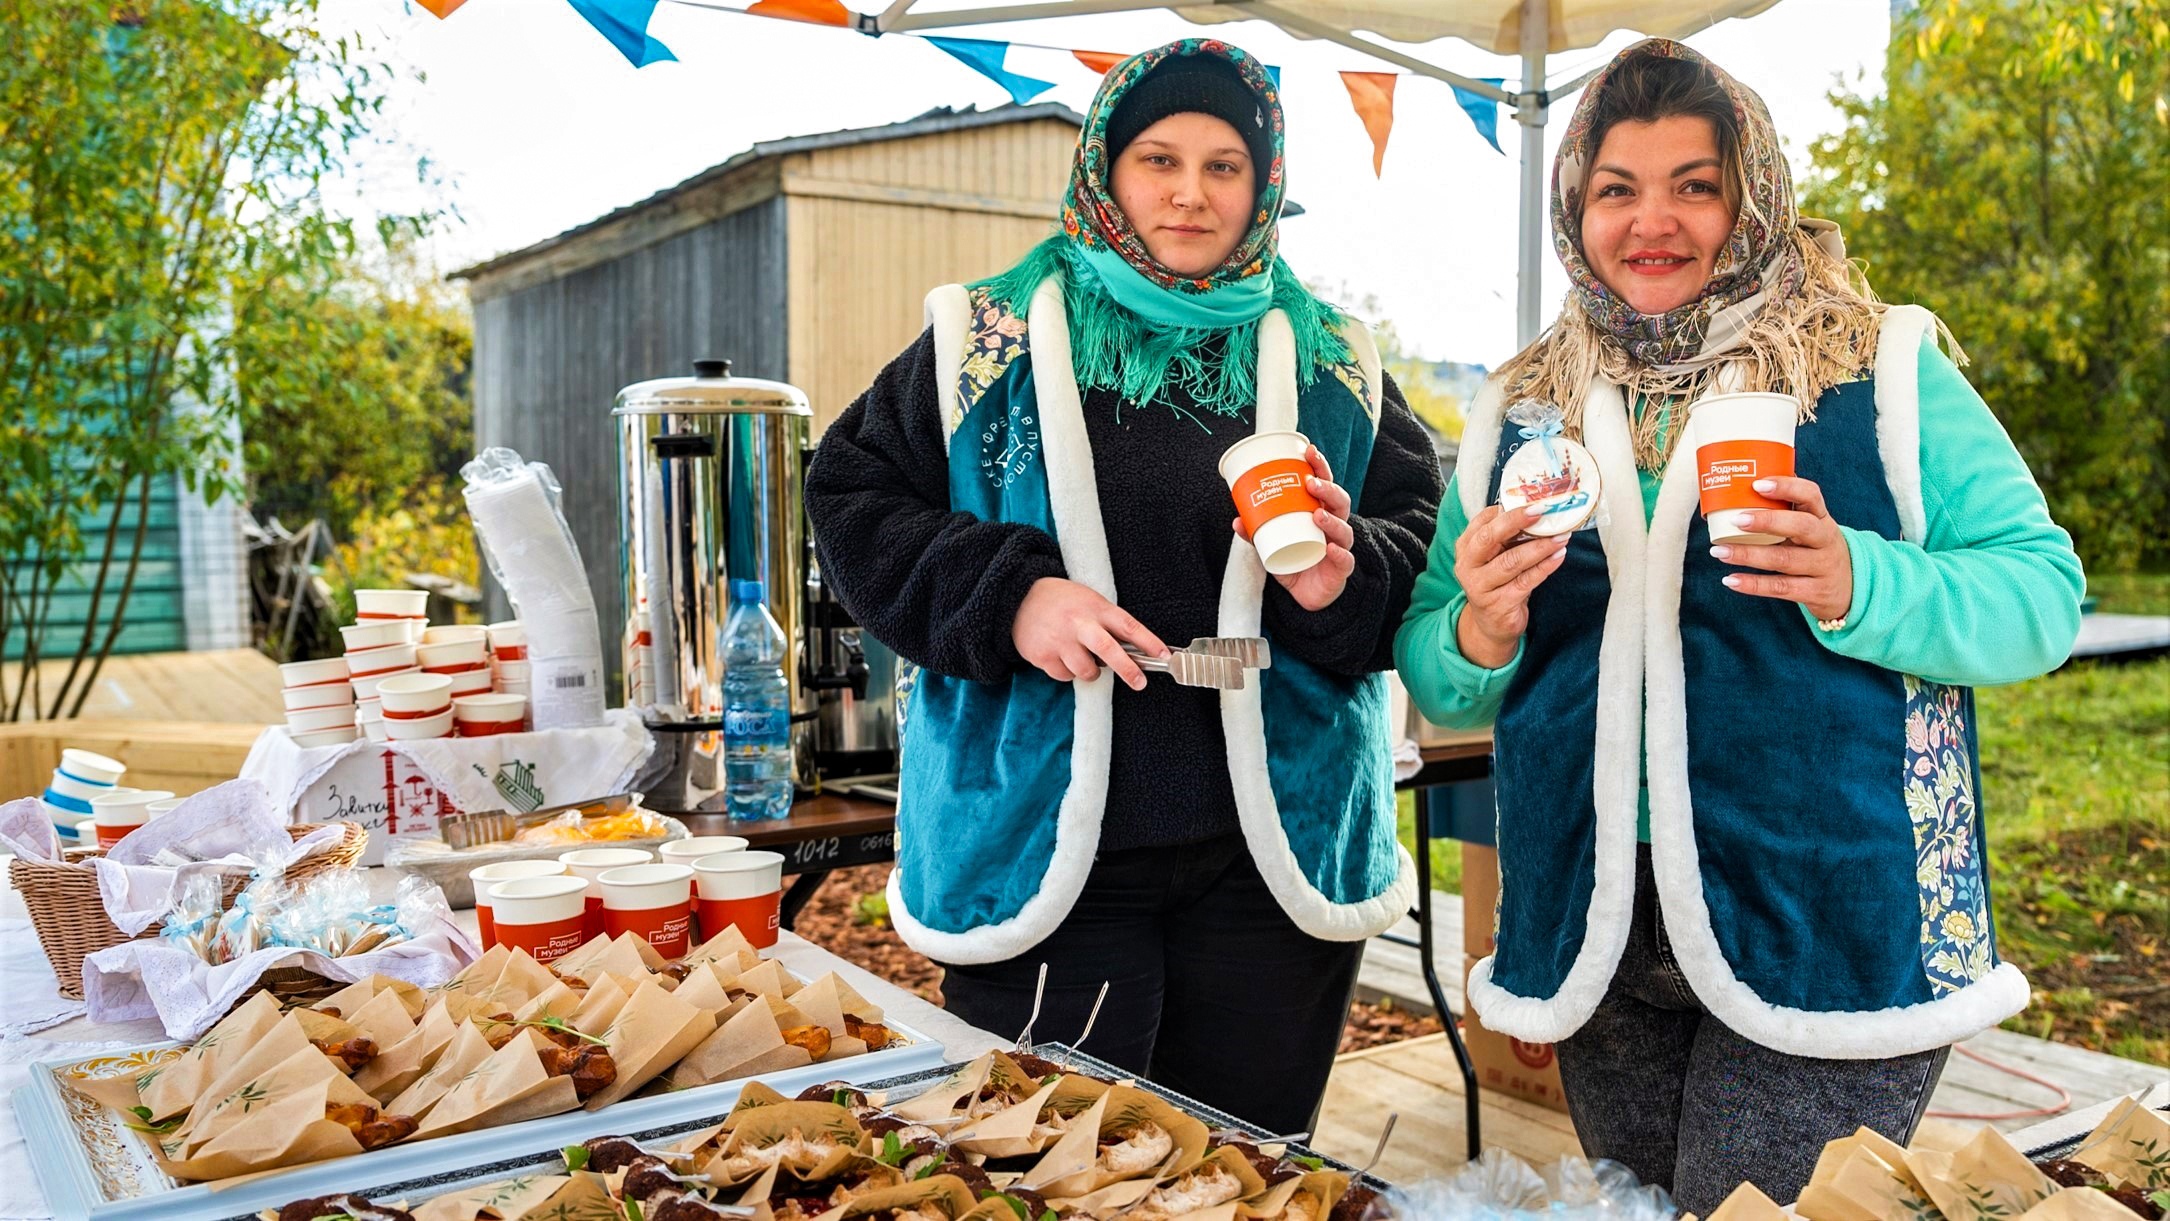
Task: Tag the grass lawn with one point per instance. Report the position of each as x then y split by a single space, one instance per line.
2076 794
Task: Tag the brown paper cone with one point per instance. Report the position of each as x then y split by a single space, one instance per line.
1066 1169
599 1008
1748 1203
177 1085
509 1199
768 979
946 1097
2078 1204
1013 1131
510 1085
706 988
1985 1179
946 1192
652 1032
458 992
812 1140
748 1043
465 1053
582 1197
1319 1190
579 960
264 1121
829 998
404 1062
384 1019
556 1001
725 946
2131 1145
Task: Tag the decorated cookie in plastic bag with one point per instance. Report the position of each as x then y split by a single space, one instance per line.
1549 471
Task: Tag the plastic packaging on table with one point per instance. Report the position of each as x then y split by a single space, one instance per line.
1502 1187
331 913
1546 470
574 828
530 549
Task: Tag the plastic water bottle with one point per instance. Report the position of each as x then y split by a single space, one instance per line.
756 709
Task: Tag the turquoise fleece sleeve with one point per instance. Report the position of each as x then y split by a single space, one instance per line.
1448 688
1992 595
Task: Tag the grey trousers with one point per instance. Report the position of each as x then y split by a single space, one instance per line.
1656 1083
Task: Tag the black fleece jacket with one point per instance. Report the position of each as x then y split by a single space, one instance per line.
942 588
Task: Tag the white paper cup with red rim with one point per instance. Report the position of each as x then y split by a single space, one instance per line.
452 655
374 634
485 876
546 916
312 673
1265 473
589 864
694 847
339 694
471 682
373 729
508 641
365 689
391 603
90 767
653 902
513 671
116 814
446 633
415 695
310 720
419 728
325 737
1740 438
381 660
481 715
740 888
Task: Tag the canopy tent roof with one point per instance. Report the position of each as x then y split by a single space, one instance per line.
1531 29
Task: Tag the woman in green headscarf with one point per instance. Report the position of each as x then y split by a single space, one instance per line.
1027 497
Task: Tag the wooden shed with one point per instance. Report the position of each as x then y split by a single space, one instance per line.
803 260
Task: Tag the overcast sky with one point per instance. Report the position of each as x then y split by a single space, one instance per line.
538 125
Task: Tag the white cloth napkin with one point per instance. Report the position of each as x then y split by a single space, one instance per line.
231 828
20 1199
32 992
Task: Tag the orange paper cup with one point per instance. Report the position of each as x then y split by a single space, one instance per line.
1266 474
116 814
589 864
654 902
741 888
544 916
1740 438
486 876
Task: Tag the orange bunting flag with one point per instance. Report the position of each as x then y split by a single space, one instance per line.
1100 61
440 9
816 12
1372 93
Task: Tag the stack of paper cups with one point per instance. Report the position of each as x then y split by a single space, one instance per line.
407 607
80 777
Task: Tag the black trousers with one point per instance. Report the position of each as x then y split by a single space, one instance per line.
1212 990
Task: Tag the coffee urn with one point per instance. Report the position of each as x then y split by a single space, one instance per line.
709 487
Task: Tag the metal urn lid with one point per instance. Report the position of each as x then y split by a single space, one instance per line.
712 389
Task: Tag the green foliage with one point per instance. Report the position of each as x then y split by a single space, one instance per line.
871 909
161 165
2012 177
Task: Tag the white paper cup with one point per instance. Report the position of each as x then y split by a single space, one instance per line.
1265 474
373 729
114 815
588 864
391 603
697 847
447 633
365 689
509 640
336 694
68 786
91 768
326 737
653 902
513 671
441 658
489 709
744 890
313 719
382 660
521 689
310 673
1740 438
163 805
374 634
418 729
415 693
485 876
547 917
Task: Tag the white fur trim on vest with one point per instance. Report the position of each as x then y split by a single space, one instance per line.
1075 499
1366 351
1243 717
949 312
1898 1031
1480 448
1615 792
1898 412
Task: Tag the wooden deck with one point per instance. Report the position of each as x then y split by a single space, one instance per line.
231 686
1418 1079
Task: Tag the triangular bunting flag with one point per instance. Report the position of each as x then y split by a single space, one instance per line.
1100 61
1372 93
985 58
1482 111
1274 74
625 24
815 12
440 9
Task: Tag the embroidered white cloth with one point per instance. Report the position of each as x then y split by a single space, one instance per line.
20 1199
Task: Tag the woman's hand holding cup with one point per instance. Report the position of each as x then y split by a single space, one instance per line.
1067 631
1814 564
1316 587
1497 577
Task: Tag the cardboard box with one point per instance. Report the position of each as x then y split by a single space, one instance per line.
1529 1071
383 791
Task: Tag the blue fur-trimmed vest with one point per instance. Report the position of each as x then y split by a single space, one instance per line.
1003 785
1818 850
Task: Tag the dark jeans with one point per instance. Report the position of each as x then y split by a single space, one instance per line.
1657 1084
1212 990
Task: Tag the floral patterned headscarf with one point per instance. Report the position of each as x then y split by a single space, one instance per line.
1783 309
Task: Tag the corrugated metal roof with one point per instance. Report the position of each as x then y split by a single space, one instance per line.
934 122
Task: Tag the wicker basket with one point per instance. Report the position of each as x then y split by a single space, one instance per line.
70 918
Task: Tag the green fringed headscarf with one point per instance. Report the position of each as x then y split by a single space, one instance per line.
1136 326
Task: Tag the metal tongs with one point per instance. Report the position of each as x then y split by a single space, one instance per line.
1209 661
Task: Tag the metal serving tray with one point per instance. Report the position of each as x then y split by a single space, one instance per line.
93 1167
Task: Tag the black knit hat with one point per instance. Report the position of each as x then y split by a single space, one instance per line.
1199 84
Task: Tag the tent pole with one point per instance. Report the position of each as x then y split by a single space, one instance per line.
1530 113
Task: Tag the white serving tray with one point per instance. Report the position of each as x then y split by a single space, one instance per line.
93 1167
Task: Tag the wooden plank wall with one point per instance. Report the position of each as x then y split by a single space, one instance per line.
178 756
551 357
875 226
155 620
